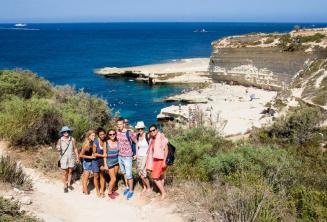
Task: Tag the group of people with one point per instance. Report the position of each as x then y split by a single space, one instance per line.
112 151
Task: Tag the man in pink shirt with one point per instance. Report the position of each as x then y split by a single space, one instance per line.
125 157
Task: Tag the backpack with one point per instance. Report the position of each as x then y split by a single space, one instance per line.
133 145
171 154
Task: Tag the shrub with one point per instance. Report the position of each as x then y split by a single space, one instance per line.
29 122
10 211
81 111
12 173
23 84
193 145
311 205
298 127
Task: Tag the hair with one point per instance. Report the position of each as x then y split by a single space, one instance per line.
154 126
100 129
87 135
120 119
110 130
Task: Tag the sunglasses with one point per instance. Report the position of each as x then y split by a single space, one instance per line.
153 130
140 129
110 134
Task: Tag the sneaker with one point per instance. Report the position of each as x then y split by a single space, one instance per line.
66 190
112 196
115 193
126 191
130 195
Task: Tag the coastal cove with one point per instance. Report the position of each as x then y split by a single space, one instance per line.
68 54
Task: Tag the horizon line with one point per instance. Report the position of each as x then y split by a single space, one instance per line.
90 22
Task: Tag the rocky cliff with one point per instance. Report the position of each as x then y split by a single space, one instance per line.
267 61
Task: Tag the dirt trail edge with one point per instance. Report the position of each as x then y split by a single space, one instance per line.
51 204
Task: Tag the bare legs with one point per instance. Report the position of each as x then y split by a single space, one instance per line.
145 183
67 176
160 184
85 179
100 193
112 173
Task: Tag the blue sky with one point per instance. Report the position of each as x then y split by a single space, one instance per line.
163 10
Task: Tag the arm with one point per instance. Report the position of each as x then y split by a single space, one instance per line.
58 146
105 156
75 150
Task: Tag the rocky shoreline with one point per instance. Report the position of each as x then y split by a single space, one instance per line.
184 71
242 76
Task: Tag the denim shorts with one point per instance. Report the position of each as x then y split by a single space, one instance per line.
95 166
126 165
87 166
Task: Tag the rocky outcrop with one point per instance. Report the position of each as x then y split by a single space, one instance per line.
185 71
267 61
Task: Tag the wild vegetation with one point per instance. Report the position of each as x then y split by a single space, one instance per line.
277 175
10 211
12 173
32 110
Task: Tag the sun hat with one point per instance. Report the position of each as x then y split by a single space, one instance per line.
65 129
140 125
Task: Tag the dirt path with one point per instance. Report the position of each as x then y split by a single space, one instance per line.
51 204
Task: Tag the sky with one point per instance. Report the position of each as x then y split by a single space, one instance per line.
163 10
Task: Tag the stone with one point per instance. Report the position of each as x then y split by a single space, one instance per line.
25 200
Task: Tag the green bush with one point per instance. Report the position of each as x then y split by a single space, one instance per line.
23 84
298 127
10 212
81 111
29 122
12 173
33 111
193 145
311 205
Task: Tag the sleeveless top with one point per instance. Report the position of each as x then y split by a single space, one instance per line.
112 155
143 147
63 145
88 152
99 149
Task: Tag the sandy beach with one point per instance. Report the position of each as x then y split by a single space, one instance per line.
193 70
230 107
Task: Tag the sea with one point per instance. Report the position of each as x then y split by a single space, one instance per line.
68 53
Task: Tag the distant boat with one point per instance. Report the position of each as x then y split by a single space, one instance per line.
200 30
20 25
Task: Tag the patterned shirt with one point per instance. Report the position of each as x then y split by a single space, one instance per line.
125 148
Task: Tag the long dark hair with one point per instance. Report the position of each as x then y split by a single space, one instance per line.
112 130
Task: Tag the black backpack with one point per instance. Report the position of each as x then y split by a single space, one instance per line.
171 154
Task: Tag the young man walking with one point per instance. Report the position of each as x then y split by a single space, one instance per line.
125 139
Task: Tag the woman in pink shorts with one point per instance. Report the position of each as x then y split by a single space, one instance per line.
158 151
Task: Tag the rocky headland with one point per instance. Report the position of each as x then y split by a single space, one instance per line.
184 71
255 77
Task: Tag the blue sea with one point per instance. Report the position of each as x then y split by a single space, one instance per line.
69 53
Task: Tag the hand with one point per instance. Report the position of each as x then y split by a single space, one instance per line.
164 165
134 157
105 155
77 160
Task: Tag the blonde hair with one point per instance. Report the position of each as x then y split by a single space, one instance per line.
87 135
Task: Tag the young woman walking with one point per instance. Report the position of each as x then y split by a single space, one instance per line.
142 147
98 166
66 145
87 155
112 164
